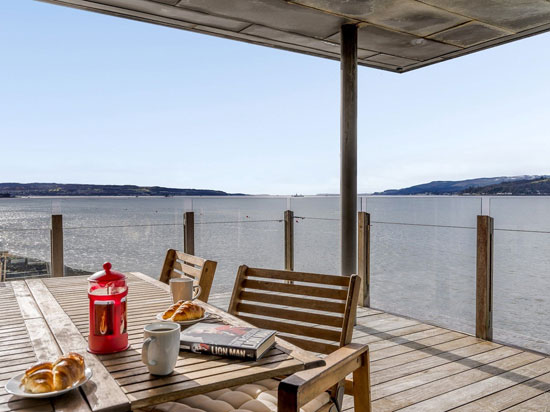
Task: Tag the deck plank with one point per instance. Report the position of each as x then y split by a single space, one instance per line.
510 397
414 366
445 385
469 393
421 367
539 403
440 372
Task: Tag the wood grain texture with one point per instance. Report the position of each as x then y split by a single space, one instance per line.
300 388
189 233
540 403
350 311
178 264
27 305
363 257
289 239
431 361
309 291
362 400
167 266
296 315
16 350
484 278
46 349
237 288
304 303
194 373
299 276
57 267
261 297
102 392
413 364
309 329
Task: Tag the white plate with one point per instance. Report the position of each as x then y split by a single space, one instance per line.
184 322
14 386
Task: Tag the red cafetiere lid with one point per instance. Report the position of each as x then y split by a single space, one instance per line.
107 275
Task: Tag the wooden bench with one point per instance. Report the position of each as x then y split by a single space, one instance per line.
314 312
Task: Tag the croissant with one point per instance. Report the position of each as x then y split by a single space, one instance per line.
38 378
188 311
67 371
171 310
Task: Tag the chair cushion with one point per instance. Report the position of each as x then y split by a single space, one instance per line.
258 397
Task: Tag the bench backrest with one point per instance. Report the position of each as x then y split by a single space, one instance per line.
312 311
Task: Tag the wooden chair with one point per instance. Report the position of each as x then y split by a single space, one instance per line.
178 264
316 313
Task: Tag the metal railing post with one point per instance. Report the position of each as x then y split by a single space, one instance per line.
189 233
289 240
363 258
56 245
484 278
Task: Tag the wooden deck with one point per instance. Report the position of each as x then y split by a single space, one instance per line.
424 368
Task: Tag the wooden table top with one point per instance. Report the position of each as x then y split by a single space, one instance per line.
42 318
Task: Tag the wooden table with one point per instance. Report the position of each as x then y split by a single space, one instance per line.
42 318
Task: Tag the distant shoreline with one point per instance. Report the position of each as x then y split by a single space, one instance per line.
8 190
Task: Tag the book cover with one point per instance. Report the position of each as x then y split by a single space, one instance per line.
227 340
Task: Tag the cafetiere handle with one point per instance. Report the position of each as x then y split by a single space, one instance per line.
145 351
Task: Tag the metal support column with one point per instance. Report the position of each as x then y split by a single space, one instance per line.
348 148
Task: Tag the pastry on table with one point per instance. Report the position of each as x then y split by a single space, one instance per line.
47 377
171 310
38 378
68 370
188 311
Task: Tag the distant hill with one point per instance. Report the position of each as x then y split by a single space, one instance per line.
532 187
469 186
59 189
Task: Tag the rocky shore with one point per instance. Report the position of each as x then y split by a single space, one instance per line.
20 267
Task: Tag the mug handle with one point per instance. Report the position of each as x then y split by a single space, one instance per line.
145 351
198 293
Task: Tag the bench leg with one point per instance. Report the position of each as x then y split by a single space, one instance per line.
361 384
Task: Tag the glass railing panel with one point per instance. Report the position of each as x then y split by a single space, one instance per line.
24 238
316 234
326 207
238 208
521 274
241 230
251 242
426 210
119 211
131 248
317 245
423 258
133 233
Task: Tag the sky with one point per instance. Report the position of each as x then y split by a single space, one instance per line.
89 98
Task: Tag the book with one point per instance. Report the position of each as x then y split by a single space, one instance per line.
226 340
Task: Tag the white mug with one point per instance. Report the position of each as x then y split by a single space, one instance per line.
161 347
183 289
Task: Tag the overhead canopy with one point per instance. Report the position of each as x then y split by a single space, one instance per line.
395 35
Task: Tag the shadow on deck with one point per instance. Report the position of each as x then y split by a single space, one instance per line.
425 368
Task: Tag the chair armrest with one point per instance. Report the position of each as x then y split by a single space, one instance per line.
301 387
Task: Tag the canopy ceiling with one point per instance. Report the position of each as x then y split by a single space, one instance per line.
395 35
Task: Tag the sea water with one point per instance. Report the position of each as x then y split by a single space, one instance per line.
423 249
